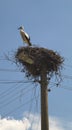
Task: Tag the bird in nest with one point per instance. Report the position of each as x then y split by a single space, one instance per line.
25 36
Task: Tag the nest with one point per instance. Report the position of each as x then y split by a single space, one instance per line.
34 59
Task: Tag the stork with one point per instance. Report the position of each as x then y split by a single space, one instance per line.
25 36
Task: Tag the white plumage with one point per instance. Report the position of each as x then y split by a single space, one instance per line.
25 36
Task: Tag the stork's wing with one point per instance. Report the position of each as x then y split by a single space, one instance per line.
27 35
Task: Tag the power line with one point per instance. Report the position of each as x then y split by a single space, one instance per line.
12 99
59 86
67 76
15 70
11 91
9 70
8 91
17 108
14 81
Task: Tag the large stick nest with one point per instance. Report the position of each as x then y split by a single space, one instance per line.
33 59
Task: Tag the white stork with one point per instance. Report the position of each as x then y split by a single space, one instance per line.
25 36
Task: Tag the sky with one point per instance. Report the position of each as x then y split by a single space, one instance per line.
49 24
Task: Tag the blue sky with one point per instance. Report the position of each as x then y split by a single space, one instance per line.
49 24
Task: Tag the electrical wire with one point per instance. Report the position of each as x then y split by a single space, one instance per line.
15 70
9 90
53 85
14 81
17 108
13 99
9 70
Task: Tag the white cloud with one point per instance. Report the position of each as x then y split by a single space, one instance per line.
32 122
12 124
55 124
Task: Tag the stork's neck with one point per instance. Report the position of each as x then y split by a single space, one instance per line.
22 30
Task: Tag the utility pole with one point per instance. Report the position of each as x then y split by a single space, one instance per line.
40 62
44 101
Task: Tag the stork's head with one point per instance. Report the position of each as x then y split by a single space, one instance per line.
21 27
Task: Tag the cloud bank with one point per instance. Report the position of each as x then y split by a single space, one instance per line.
32 123
12 124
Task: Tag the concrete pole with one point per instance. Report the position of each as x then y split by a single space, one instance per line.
44 101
